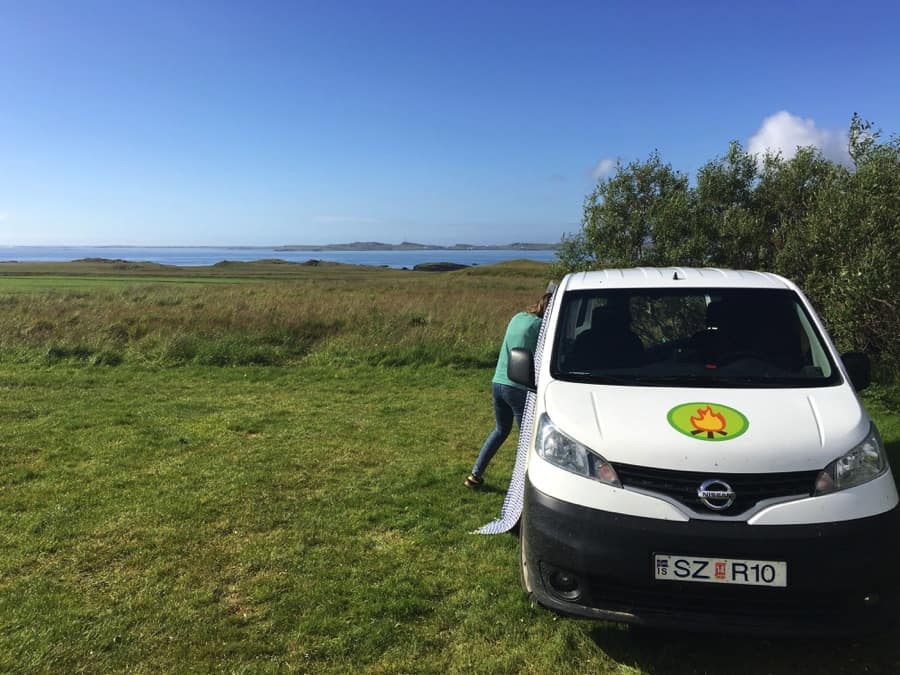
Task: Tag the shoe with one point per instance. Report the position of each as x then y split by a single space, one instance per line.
474 481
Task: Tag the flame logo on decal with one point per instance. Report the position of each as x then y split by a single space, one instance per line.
709 422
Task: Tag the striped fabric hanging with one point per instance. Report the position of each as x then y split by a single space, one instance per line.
515 494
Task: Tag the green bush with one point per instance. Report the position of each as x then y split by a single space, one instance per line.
833 230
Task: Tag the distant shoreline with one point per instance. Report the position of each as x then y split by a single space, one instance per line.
409 246
358 253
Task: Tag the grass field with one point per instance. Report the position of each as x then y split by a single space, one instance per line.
162 510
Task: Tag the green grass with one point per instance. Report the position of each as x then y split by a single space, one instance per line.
29 284
303 518
163 515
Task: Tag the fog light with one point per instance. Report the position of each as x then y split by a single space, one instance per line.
564 584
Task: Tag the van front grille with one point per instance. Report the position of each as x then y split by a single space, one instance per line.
749 488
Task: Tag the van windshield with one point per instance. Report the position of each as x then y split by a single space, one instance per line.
717 337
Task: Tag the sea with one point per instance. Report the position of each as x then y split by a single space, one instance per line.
202 256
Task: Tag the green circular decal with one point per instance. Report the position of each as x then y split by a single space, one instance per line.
708 421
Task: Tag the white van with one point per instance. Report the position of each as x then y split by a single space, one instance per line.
699 459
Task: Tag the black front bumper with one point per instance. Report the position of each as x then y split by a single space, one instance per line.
841 576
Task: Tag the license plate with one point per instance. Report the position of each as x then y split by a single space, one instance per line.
720 570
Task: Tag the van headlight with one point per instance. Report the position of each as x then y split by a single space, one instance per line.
567 453
863 463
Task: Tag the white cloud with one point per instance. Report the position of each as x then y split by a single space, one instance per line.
605 167
784 133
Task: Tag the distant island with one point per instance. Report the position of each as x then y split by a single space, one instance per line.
410 246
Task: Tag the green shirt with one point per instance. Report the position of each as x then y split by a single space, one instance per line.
522 331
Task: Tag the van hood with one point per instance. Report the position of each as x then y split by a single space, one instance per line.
710 430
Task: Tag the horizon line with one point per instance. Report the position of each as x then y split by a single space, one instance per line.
508 245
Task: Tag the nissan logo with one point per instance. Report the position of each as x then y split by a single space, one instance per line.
716 494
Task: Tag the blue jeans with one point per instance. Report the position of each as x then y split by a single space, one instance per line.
509 402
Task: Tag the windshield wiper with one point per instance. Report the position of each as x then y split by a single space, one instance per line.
712 380
728 381
690 380
595 378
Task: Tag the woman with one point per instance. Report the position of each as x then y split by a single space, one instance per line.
509 397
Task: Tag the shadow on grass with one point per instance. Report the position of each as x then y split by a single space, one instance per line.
660 651
893 452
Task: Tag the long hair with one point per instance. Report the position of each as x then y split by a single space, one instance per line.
540 306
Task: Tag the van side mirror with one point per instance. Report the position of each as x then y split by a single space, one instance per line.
520 368
858 368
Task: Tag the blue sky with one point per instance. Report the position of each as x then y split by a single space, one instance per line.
266 123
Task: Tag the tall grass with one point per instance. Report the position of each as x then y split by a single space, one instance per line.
392 318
